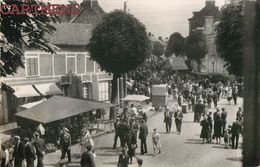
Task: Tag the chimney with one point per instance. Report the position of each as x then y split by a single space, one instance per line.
89 3
210 2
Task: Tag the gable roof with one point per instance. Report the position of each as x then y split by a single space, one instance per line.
58 108
73 34
176 63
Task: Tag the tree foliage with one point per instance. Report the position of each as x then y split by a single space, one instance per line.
196 46
22 30
157 49
119 44
175 45
230 38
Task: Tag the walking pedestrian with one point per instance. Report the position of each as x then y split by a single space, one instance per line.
224 120
217 126
65 143
156 142
40 148
18 153
236 130
29 153
168 120
178 120
234 93
116 128
229 95
88 158
215 99
204 130
142 136
210 121
86 139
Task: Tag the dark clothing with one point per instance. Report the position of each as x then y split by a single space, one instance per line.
3 163
210 121
236 130
116 124
123 133
168 121
199 109
217 124
18 154
205 129
123 161
40 147
224 121
87 159
30 155
178 121
215 99
142 136
65 141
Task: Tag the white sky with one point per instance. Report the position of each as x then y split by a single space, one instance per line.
161 17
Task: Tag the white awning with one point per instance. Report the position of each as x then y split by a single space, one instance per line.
48 89
24 91
30 105
138 98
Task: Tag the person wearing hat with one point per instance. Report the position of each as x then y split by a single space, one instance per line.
178 119
123 158
142 136
18 153
29 152
217 126
205 129
65 143
168 120
40 148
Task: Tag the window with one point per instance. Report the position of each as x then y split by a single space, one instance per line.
90 65
71 63
32 66
104 91
86 91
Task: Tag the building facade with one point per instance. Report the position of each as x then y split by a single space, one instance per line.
206 21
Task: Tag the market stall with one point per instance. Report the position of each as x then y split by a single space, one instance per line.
58 112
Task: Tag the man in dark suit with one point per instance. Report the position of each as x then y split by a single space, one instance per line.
168 120
236 130
29 153
87 158
123 158
65 142
123 132
18 153
224 120
40 148
142 136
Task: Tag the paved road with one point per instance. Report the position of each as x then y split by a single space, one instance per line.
184 150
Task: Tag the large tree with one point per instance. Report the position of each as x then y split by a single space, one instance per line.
157 49
119 44
230 38
175 45
22 30
196 47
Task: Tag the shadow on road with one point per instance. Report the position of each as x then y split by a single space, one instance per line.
110 163
193 141
221 147
237 159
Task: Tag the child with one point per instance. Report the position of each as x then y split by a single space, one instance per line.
156 141
226 139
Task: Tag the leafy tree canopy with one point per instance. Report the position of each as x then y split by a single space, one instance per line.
230 38
196 47
119 43
158 49
175 45
22 30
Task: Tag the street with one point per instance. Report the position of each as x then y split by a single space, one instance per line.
182 150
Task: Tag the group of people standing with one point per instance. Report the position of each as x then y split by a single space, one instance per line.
19 153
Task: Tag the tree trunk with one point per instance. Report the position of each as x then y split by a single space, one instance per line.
114 97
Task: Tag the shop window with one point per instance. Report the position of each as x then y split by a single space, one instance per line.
32 66
104 91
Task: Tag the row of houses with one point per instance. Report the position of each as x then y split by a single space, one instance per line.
70 72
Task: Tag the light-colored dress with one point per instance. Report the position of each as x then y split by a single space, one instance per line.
156 140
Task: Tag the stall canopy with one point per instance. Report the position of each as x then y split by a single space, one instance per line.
36 90
58 108
138 98
176 63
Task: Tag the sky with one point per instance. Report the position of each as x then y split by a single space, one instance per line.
161 17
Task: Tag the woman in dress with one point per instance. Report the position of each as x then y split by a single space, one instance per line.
205 129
